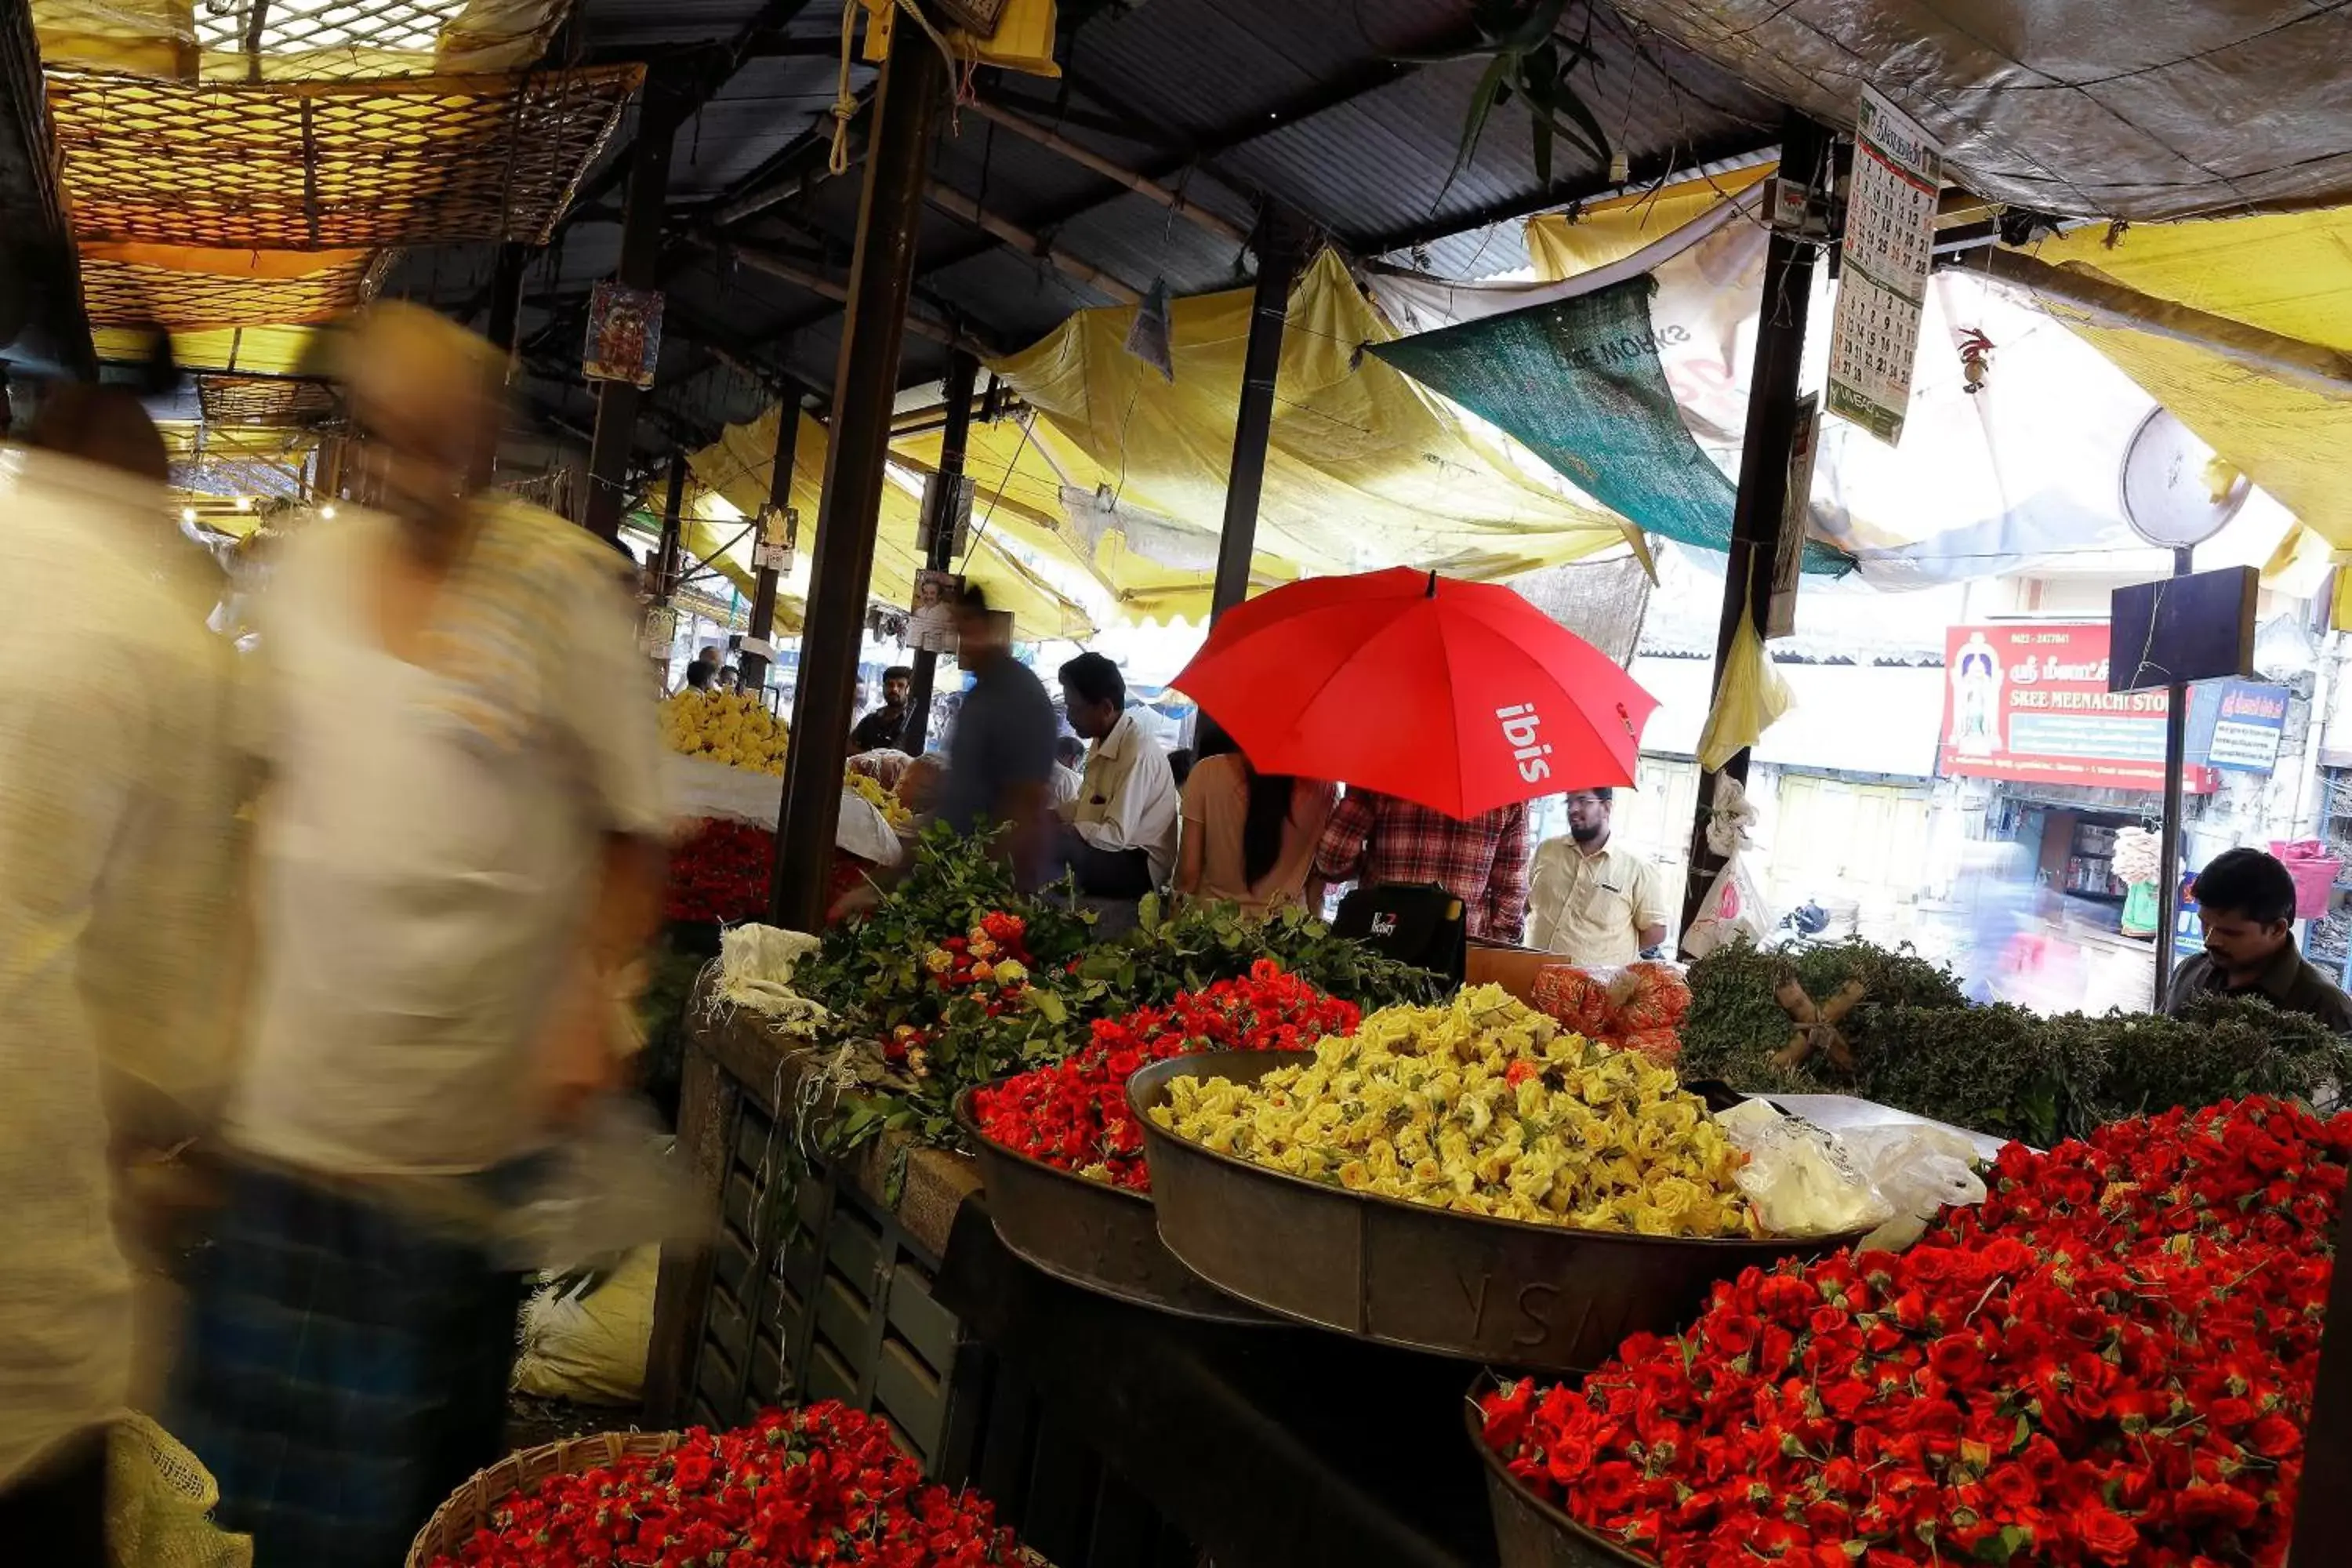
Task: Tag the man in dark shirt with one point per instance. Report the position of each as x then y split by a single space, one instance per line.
882 730
1000 759
2245 900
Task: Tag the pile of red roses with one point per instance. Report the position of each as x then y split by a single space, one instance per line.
720 872
2109 1362
1075 1114
818 1485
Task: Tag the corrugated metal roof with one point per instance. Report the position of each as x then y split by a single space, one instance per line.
1301 100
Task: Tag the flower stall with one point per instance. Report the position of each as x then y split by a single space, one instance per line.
1202 1240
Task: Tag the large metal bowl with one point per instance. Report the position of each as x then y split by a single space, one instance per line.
1090 1234
1531 1533
1546 1298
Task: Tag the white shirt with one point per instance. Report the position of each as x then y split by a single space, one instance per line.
1065 785
1128 799
115 892
423 889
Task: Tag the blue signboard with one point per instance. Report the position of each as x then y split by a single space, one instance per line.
2236 724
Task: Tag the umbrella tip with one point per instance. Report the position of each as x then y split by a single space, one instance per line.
1432 585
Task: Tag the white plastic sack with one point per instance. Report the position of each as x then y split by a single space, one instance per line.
1733 905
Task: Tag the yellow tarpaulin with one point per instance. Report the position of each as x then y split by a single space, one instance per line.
1364 470
1560 248
739 465
2289 274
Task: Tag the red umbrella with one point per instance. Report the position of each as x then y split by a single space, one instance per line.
1459 696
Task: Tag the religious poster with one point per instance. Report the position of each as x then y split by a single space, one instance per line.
624 334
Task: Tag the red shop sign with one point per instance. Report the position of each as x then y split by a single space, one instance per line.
2028 702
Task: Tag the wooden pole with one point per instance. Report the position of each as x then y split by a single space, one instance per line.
955 202
641 226
780 496
667 558
1087 158
817 283
1756 516
955 438
865 382
2112 304
1277 265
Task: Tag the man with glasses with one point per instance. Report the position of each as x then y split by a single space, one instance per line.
1590 899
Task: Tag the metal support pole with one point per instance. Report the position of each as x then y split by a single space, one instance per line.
666 559
1757 514
2167 862
865 384
754 669
505 321
955 440
639 268
1277 265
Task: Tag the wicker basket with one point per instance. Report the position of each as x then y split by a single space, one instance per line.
468 1509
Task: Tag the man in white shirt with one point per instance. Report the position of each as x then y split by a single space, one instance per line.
460 858
116 890
1590 899
1119 833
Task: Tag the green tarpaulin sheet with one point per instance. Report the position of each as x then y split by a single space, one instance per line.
1577 381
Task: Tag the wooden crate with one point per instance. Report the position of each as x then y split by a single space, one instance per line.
814 1288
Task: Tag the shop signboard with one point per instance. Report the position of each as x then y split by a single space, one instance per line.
2237 725
2028 702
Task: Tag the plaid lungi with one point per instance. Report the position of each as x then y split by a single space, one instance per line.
345 1368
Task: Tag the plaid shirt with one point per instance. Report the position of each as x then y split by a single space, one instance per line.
1373 839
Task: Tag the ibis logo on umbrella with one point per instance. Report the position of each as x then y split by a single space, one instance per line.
1519 722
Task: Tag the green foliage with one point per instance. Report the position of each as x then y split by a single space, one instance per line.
1920 1046
1527 57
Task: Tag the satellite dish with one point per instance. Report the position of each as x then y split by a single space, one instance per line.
2169 485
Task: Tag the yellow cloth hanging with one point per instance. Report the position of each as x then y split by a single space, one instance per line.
1750 698
1560 248
2285 273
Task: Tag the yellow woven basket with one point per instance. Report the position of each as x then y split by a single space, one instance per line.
468 1509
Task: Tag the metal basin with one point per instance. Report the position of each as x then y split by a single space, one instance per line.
1090 1234
1546 1298
1528 1531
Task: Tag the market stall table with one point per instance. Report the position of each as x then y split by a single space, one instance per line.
1269 1447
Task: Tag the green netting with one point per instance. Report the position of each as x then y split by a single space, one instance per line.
1577 381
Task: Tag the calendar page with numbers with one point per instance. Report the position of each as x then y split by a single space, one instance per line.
1885 256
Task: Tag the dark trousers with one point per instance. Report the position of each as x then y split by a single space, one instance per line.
1105 873
55 1516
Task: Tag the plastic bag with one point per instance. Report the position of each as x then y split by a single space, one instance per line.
1891 1180
607 1188
1748 700
1798 1177
1733 905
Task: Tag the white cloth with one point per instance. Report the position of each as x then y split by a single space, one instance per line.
1065 786
423 892
1128 797
115 797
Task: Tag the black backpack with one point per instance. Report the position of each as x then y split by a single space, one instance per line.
1418 924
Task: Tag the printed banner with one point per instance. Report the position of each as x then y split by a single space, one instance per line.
624 334
2028 702
2237 725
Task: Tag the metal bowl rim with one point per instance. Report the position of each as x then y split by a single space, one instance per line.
1474 1421
960 1108
1153 1129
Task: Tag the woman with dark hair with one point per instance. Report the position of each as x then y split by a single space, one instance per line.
1249 837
